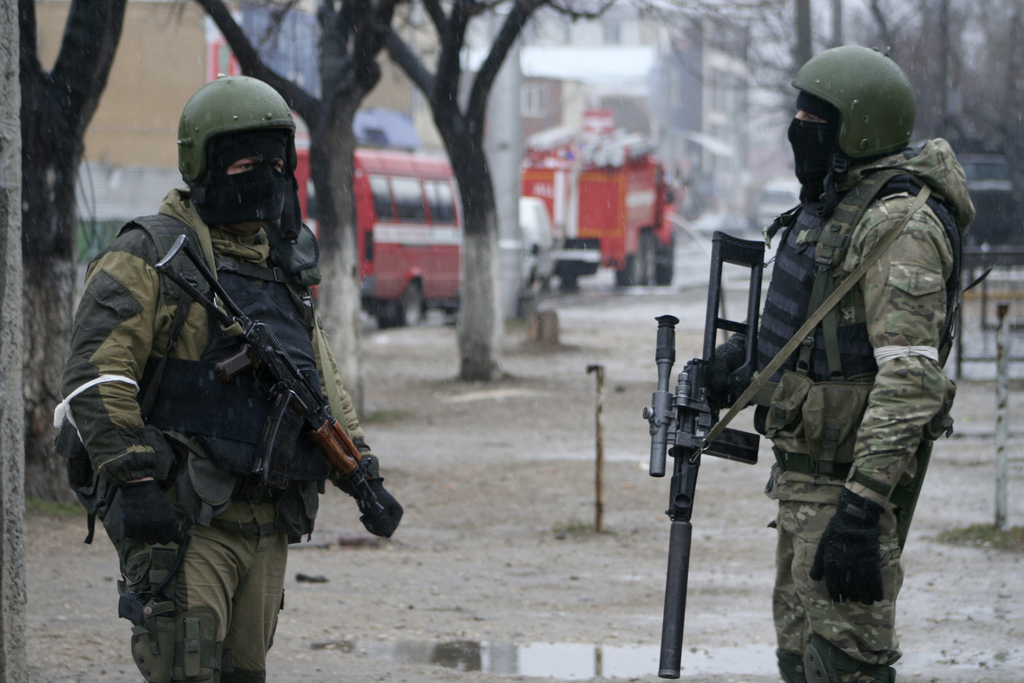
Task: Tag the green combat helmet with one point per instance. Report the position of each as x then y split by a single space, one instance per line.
871 92
227 105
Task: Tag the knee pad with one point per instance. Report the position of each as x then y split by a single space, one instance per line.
826 663
177 647
791 667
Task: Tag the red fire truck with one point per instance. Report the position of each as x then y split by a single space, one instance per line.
607 198
409 232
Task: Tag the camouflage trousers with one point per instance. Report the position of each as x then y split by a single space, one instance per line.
802 607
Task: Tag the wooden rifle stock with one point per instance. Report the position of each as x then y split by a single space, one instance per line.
336 446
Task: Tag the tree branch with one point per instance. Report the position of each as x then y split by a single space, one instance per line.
449 63
883 26
510 30
80 73
410 63
576 14
307 106
28 58
437 16
371 40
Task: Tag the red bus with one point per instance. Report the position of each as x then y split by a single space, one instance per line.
409 232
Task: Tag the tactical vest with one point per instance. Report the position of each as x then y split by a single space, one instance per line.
186 396
814 404
804 275
788 305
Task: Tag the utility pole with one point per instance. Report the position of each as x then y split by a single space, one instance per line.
504 148
12 407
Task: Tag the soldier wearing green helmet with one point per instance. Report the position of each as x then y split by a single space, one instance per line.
163 453
854 410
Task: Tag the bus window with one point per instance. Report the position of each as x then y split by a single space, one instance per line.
408 199
439 197
381 198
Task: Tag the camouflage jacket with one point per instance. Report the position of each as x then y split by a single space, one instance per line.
902 299
121 321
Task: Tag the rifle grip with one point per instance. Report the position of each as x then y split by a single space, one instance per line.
240 361
337 447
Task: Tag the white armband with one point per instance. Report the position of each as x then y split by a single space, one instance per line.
886 353
63 409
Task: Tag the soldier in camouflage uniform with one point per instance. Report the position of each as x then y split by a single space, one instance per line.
852 412
161 451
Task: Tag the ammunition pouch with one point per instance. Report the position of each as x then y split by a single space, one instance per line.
166 645
824 662
297 508
204 489
178 647
819 417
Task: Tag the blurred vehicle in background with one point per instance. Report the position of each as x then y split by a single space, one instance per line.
607 197
777 196
999 216
409 232
538 241
730 223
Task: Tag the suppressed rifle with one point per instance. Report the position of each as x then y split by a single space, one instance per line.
296 402
680 422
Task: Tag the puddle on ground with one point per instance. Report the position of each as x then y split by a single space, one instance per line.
576 661
563 661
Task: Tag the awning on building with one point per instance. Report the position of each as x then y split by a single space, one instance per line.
385 128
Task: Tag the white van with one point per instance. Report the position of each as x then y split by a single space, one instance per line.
538 241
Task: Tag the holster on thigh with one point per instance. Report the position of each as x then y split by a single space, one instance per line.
826 663
178 647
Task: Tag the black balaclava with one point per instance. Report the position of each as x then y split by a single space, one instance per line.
813 145
256 195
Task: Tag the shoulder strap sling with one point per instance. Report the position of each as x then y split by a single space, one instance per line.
817 316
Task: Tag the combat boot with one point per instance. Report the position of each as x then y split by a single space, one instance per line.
791 667
826 663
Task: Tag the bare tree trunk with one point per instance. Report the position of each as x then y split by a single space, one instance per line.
49 288
480 310
338 294
56 108
12 420
48 239
480 321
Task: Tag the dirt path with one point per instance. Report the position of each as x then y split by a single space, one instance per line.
496 571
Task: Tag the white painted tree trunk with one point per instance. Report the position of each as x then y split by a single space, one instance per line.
480 322
338 304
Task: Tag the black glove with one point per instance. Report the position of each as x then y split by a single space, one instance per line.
849 554
147 514
728 358
381 516
381 513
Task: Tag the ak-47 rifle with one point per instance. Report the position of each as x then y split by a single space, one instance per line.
680 422
296 403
